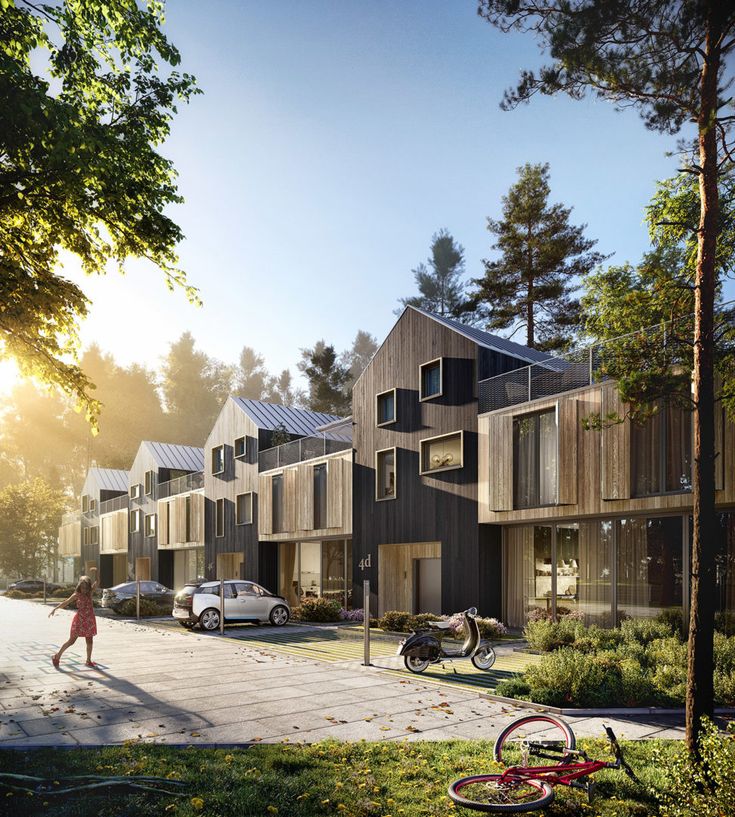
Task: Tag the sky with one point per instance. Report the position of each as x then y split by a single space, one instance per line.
331 141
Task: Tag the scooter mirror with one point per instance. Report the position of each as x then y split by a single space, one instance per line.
472 611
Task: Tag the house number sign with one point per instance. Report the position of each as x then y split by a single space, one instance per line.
366 562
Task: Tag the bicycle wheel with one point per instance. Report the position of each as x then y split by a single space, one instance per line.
490 792
534 740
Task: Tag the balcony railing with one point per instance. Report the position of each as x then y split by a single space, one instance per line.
180 485
117 503
307 448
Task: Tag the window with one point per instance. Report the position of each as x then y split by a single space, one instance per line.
135 491
244 509
94 535
385 474
241 448
150 524
135 520
442 453
277 503
85 536
248 588
218 459
430 379
386 407
92 505
219 523
534 460
189 521
320 496
149 481
85 503
661 452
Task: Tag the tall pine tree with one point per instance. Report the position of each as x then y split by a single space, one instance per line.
532 282
250 375
327 380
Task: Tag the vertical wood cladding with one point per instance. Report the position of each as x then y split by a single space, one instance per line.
439 507
142 546
239 477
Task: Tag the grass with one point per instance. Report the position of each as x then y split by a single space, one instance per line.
329 778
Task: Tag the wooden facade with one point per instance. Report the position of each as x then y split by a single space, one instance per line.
181 521
70 538
593 466
437 508
298 500
100 485
114 532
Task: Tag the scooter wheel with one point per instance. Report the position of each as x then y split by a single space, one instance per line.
484 658
415 664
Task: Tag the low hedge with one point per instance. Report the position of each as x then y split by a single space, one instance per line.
398 621
317 610
147 608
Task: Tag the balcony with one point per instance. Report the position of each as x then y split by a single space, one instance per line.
306 448
117 503
181 485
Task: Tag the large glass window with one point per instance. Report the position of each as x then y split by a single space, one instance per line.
244 509
724 565
661 452
320 496
649 566
277 503
441 453
312 569
385 474
288 570
534 460
333 570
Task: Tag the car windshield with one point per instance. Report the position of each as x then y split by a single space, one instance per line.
125 587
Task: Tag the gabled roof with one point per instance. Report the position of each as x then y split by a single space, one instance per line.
178 457
488 340
108 479
271 416
339 430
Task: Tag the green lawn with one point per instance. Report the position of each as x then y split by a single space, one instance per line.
357 780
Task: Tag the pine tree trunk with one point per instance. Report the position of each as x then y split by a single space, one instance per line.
700 691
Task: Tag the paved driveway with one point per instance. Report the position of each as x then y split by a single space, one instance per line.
170 686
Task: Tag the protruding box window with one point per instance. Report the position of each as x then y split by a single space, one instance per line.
442 453
135 520
431 379
385 474
244 509
149 481
386 408
219 522
218 460
135 491
85 503
241 448
150 524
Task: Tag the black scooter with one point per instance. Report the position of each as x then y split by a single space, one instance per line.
426 647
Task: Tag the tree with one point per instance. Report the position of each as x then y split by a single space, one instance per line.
357 358
671 60
440 287
84 102
532 283
194 387
250 376
281 390
30 515
327 379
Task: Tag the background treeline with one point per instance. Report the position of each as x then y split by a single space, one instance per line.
43 436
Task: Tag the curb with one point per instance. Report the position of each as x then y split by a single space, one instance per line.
592 713
35 747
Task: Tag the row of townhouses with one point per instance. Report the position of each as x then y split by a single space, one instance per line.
464 477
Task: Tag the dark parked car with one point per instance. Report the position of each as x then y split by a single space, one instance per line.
113 597
183 603
33 586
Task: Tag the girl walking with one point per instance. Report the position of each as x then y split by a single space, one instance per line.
84 622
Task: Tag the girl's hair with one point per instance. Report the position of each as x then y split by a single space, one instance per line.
84 582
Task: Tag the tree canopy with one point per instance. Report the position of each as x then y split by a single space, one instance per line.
327 380
86 100
541 257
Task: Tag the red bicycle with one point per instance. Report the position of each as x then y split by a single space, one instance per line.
523 787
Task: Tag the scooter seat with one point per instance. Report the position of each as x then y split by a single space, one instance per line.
439 625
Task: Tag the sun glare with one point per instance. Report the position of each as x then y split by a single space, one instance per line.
9 377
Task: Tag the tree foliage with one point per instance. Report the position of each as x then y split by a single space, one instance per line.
327 380
439 281
541 257
30 515
357 357
250 377
85 103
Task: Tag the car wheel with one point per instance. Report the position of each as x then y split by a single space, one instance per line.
187 625
279 615
209 619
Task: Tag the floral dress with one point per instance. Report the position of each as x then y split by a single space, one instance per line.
84 623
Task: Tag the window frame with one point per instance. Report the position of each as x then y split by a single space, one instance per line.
317 513
136 491
244 454
150 526
424 397
220 448
383 423
277 528
85 503
428 471
92 505
554 410
664 453
148 478
379 498
237 508
135 520
219 518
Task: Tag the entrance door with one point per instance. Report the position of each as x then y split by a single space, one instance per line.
428 586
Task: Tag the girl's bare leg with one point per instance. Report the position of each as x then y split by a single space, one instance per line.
65 646
90 641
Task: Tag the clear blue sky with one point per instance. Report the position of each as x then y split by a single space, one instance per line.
332 140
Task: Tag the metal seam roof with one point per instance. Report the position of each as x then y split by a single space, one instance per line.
109 479
270 416
179 457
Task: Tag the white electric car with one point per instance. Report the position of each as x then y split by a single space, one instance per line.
244 601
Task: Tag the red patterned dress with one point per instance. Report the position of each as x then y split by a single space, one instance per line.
84 623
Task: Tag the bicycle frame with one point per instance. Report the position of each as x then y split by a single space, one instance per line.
562 775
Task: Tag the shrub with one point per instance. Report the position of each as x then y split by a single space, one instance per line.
318 609
707 787
147 608
637 687
352 615
62 592
673 617
645 630
546 635
397 621
516 687
567 677
489 627
18 594
725 622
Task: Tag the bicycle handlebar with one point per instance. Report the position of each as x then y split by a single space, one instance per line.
618 752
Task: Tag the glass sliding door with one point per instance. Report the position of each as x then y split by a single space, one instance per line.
333 571
567 569
595 574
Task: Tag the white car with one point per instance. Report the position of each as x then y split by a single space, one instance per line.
244 601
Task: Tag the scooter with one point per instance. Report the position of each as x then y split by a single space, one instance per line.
425 647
